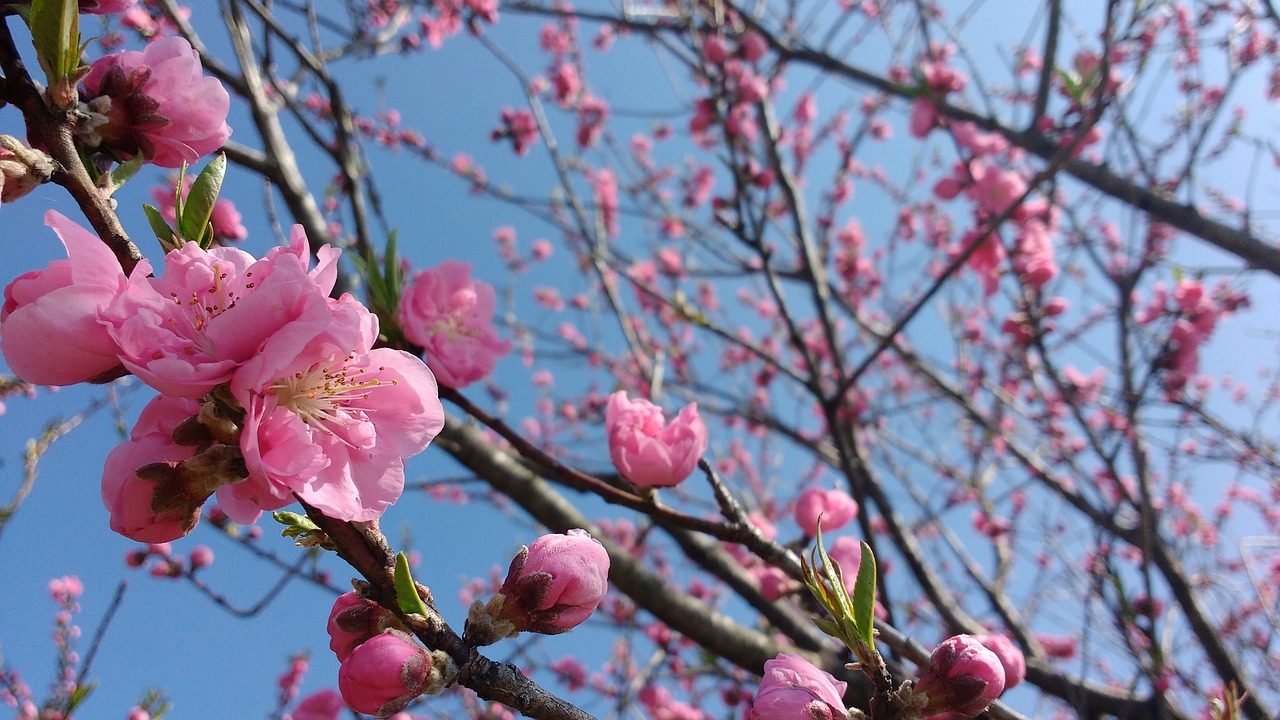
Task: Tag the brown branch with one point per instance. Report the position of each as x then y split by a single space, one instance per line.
51 131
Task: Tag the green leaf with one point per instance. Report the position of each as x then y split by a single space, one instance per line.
294 521
160 227
122 173
78 696
406 589
828 627
194 218
864 597
55 30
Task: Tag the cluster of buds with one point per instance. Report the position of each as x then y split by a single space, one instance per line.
383 668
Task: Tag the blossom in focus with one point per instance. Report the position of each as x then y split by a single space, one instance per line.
648 451
963 677
384 674
141 508
332 425
225 218
451 317
555 583
793 689
157 102
210 311
835 507
49 329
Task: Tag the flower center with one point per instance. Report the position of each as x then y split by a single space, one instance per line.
324 395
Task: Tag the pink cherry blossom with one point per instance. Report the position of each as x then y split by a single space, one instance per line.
555 583
384 675
451 317
131 499
158 102
213 310
793 688
963 677
49 329
836 508
648 451
333 427
324 704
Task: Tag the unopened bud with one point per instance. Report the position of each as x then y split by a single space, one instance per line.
963 677
384 674
22 169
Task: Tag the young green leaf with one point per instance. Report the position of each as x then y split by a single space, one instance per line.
406 589
864 597
160 227
122 173
193 221
55 32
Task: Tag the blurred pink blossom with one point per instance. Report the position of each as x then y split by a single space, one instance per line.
451 317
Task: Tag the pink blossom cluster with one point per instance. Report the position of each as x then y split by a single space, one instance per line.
269 387
383 668
986 179
1196 312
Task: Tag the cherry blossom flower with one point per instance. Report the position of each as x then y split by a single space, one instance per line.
647 450
157 102
141 508
49 329
335 427
451 317
384 674
212 310
836 508
793 688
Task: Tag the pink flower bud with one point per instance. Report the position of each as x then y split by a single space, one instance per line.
141 508
836 508
201 556
105 7
753 46
963 677
352 621
384 674
1011 658
648 451
556 583
793 689
713 50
